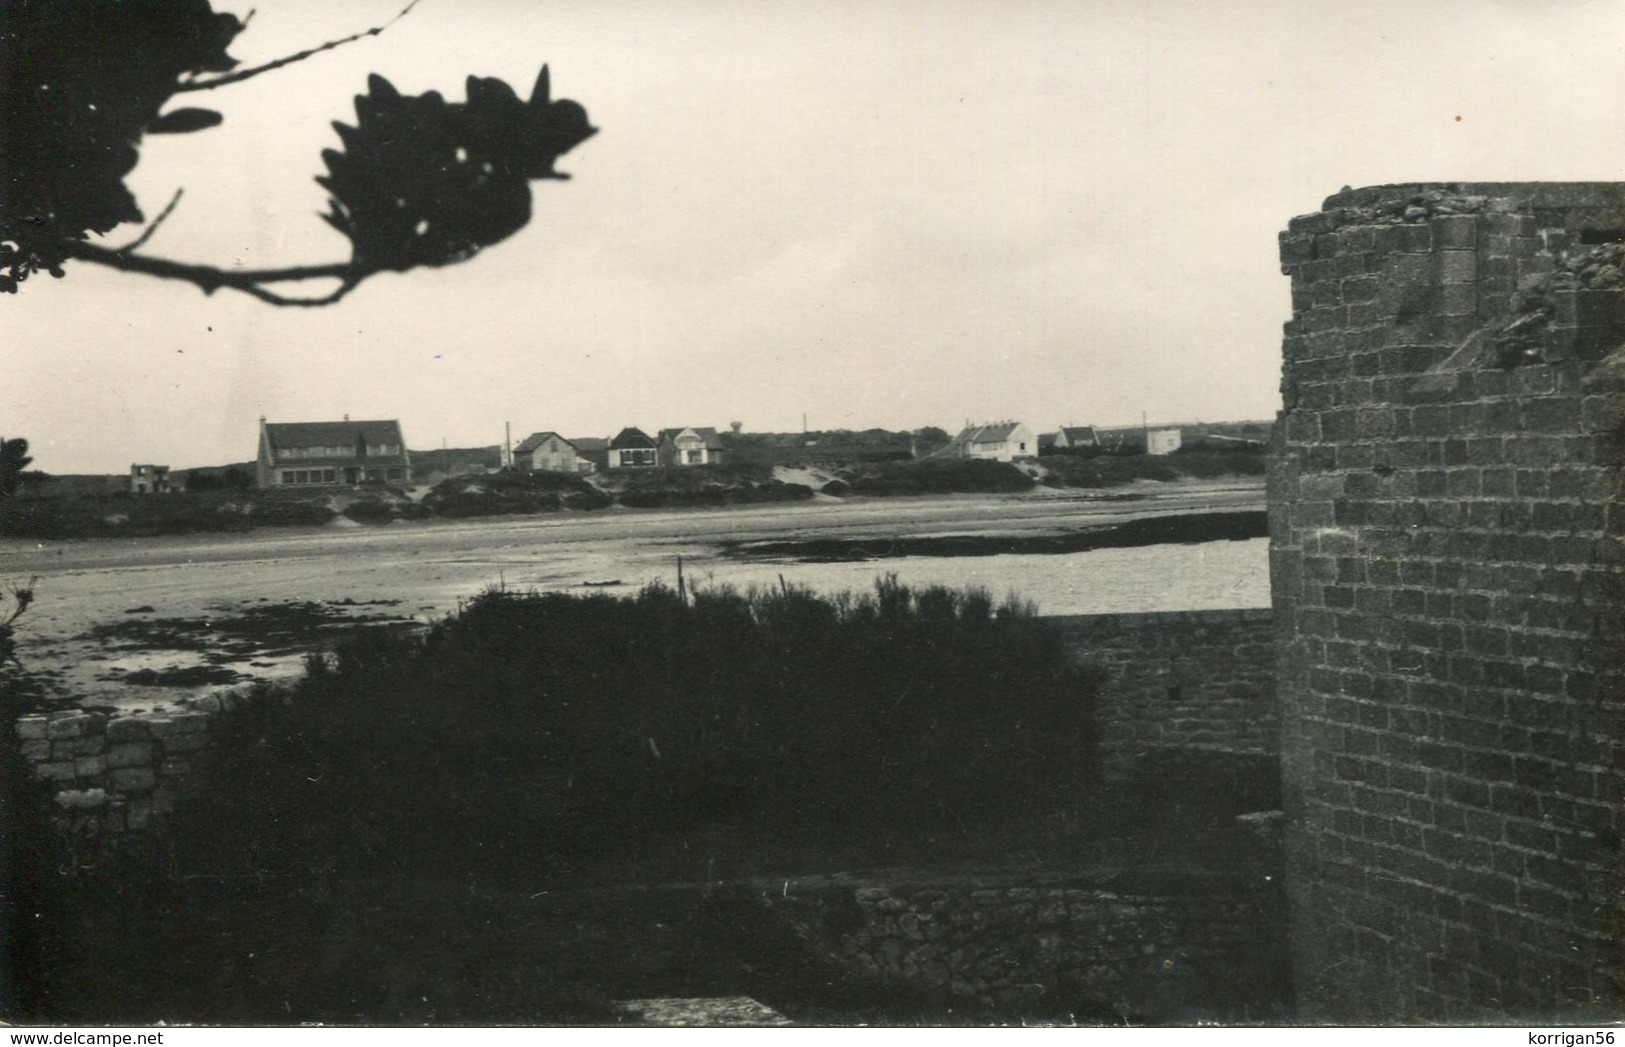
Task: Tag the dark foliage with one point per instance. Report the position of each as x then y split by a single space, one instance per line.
80 84
370 510
531 732
419 181
14 460
508 491
937 476
1111 470
700 486
178 513
225 478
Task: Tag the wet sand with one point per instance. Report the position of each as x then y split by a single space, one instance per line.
213 591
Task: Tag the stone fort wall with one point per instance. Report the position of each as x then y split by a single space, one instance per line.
1449 588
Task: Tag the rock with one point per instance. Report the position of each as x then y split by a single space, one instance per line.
31 728
126 728
132 779
81 799
130 754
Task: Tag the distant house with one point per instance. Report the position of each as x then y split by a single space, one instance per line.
149 479
1000 442
1162 441
702 446
594 450
549 452
632 449
305 454
1069 438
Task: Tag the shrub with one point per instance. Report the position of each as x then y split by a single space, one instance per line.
588 500
537 729
370 510
937 476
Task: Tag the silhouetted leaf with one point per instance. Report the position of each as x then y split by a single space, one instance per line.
421 181
184 121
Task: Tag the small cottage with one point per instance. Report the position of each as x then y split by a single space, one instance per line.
1000 442
701 446
632 448
551 453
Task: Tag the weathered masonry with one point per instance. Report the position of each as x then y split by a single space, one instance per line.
1447 531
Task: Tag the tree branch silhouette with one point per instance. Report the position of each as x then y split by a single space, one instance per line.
248 74
152 227
419 181
210 279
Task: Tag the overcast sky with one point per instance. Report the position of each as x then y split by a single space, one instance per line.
872 213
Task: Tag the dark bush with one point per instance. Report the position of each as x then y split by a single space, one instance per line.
838 488
149 515
937 476
532 730
290 511
588 500
370 510
509 491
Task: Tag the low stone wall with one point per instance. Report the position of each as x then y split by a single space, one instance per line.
111 776
1135 944
1181 681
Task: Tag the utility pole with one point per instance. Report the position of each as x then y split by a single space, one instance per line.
507 444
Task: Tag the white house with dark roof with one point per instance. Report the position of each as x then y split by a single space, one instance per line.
329 454
999 442
691 446
550 452
632 448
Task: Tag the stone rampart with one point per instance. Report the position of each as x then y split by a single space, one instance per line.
1446 560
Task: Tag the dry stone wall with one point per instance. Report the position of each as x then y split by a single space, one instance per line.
1178 682
1106 944
112 776
1447 529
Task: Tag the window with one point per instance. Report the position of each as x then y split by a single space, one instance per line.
287 476
696 457
330 475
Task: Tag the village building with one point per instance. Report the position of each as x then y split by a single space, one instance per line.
551 453
149 479
1069 439
594 450
693 446
1000 442
1162 441
306 454
632 448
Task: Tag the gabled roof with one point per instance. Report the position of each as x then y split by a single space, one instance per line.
1079 434
334 434
589 444
992 434
713 441
975 434
631 437
535 440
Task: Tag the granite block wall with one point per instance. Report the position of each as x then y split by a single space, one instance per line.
1180 681
1448 571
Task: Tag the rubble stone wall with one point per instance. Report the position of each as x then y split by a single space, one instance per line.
1164 945
1449 589
111 776
1180 681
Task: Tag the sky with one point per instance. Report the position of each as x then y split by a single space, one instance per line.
859 213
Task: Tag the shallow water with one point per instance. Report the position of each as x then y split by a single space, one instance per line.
425 571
